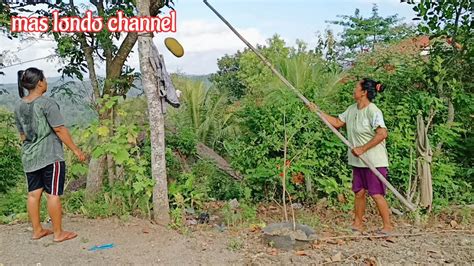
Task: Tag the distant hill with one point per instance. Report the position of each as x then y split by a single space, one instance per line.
74 96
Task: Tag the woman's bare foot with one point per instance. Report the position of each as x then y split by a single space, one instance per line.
41 234
357 226
65 235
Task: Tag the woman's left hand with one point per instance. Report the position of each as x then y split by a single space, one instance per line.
358 151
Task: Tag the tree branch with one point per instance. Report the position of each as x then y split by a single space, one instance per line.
128 44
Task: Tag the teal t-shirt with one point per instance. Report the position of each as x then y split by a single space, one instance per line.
361 125
36 121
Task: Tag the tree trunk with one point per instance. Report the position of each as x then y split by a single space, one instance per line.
449 122
94 177
156 118
111 169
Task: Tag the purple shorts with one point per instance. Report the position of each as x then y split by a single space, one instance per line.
363 178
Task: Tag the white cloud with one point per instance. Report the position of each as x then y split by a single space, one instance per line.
203 41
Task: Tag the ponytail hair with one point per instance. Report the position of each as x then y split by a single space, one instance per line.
28 79
372 87
21 90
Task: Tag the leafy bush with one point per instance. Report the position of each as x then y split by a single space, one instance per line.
11 169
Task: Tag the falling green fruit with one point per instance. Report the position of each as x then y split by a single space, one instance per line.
174 46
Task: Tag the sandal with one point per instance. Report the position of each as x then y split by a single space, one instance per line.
356 230
68 236
44 233
383 232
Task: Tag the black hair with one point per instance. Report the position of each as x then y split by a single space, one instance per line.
372 87
28 79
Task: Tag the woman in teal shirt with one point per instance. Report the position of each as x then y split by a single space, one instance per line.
366 131
43 133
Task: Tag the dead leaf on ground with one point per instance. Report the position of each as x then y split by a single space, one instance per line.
272 251
370 261
432 251
341 198
453 224
301 253
255 228
146 230
272 208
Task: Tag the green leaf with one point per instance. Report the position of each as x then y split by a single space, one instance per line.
121 156
98 152
103 131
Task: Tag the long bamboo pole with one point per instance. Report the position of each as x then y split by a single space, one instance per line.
317 111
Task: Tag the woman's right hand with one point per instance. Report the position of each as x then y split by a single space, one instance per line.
80 155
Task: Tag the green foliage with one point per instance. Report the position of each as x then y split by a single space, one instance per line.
221 186
235 244
361 34
129 147
448 18
258 152
226 78
184 140
204 112
13 204
244 213
254 74
188 191
11 169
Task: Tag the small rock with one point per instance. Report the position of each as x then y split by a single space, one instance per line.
191 222
213 218
453 224
297 206
464 242
436 256
234 204
203 218
221 228
190 211
337 257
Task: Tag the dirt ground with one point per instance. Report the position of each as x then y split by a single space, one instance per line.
137 241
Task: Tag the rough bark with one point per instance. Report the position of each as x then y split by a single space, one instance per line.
424 161
449 122
94 177
111 169
156 118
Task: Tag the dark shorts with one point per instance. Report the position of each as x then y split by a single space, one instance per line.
364 178
50 178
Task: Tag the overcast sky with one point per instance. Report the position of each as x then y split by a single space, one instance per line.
205 38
